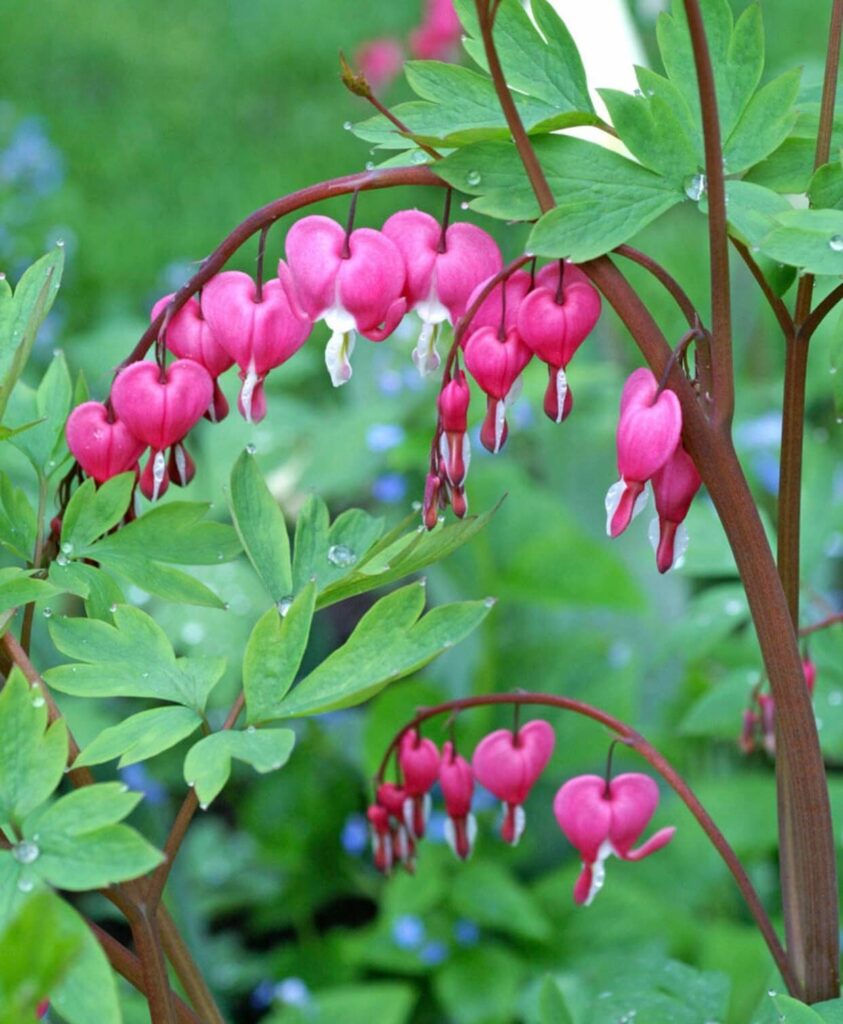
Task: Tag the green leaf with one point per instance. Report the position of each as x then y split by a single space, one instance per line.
386 1002
44 444
765 124
811 239
752 210
794 1012
651 130
552 1006
88 991
81 811
30 967
831 1011
141 736
17 587
788 169
389 642
273 655
737 57
100 591
719 712
310 548
826 188
18 523
132 658
163 580
208 763
604 199
32 755
22 315
93 511
260 525
543 63
95 859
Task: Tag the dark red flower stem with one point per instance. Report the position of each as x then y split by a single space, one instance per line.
635 741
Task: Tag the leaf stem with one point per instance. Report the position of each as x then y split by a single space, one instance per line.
187 970
144 925
782 313
659 763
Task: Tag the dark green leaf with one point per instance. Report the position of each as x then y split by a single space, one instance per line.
208 763
387 644
141 736
719 712
261 527
273 655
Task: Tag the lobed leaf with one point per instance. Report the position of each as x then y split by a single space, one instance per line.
208 763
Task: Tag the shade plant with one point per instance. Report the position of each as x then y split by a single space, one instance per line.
705 132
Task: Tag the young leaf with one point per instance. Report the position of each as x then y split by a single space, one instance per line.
310 548
330 554
208 763
260 525
32 760
390 642
92 511
273 655
811 239
22 315
132 658
826 188
83 810
141 736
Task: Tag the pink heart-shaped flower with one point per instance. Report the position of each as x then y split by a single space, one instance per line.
495 362
189 336
160 408
554 325
509 764
102 445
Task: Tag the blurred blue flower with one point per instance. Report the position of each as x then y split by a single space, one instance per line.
765 465
380 437
30 161
435 831
408 931
262 994
483 799
763 431
466 932
390 488
433 952
292 992
138 778
522 415
390 382
355 834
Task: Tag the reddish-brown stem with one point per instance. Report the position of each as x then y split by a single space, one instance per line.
528 156
269 214
399 124
147 939
721 302
129 967
782 313
819 313
665 278
186 969
637 742
816 627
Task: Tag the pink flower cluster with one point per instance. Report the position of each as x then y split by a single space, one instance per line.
359 282
759 720
436 38
600 818
650 449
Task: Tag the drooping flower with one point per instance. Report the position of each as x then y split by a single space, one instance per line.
189 336
457 782
554 319
258 334
102 444
379 823
508 765
353 283
604 819
648 432
160 407
394 798
438 36
454 445
443 269
761 718
419 762
674 488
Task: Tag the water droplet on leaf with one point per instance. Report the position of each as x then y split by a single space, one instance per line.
284 605
341 555
47 613
473 178
251 448
695 186
26 852
836 243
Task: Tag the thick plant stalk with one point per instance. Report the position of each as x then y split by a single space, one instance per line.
187 970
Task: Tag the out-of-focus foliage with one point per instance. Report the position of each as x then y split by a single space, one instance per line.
140 134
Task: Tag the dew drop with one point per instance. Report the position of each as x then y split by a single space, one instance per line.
25 885
277 764
419 156
416 506
637 92
62 559
836 243
347 125
47 613
464 204
112 608
490 602
250 729
38 702
341 555
835 698
695 186
473 178
67 548
251 448
204 807
26 852
284 605
370 165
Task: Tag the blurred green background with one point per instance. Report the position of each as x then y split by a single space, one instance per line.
140 133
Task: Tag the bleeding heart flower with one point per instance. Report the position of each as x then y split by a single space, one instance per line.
457 784
553 320
381 830
501 305
439 33
419 762
454 445
443 269
674 487
603 819
380 61
394 799
159 408
648 432
508 765
188 336
258 335
101 444
496 364
353 284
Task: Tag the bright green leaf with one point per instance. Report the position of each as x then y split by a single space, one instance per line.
811 239
765 123
18 587
88 991
792 1011
92 511
84 810
141 736
18 524
208 763
93 860
826 188
552 1006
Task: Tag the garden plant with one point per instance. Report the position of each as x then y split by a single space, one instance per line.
529 247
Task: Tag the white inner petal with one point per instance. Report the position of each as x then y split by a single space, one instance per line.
338 357
561 393
514 392
247 391
431 309
500 423
598 870
613 499
425 356
466 452
181 463
336 317
159 469
654 533
680 546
